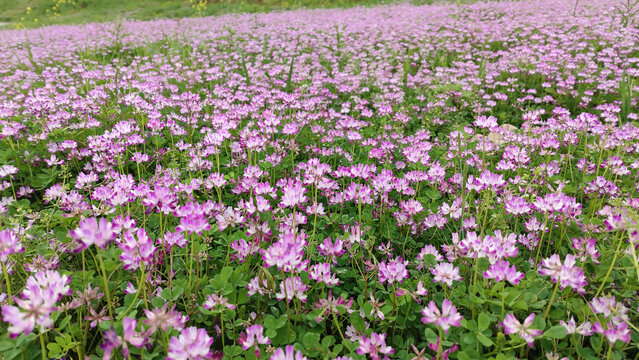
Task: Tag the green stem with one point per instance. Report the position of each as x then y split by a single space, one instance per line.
612 265
42 347
6 279
552 298
107 291
191 263
339 329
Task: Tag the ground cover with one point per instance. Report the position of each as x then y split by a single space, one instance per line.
412 182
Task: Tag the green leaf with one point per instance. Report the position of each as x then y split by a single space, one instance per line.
484 321
231 351
157 302
595 342
55 351
328 341
269 322
484 340
555 332
433 193
311 340
358 322
225 274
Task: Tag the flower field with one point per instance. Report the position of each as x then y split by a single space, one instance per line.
401 181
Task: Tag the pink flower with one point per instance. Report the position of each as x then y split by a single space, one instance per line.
393 271
567 273
194 223
293 194
214 300
446 273
9 244
613 332
290 288
162 318
136 247
242 249
445 318
285 254
332 250
322 273
37 302
513 326
375 346
584 329
501 270
90 231
253 337
172 239
517 205
486 122
192 344
288 354
331 305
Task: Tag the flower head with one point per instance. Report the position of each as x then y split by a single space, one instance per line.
501 270
192 344
289 353
446 318
513 326
393 271
9 244
253 337
90 231
375 346
446 273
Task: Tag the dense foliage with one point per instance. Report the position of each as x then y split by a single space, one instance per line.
403 181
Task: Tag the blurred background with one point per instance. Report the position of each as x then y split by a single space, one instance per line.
34 13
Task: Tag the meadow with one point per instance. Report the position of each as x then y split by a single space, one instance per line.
447 181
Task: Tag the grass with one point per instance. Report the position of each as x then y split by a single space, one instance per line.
34 13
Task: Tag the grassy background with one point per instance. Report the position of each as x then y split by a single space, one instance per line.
32 13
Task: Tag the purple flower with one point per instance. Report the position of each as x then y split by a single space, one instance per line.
486 122
253 337
192 344
436 347
37 302
162 318
322 273
609 307
285 254
173 239
194 223
136 247
567 273
293 194
501 270
332 250
214 300
584 329
613 332
513 326
288 354
447 317
375 346
90 231
446 273
393 271
290 288
162 198
517 205
242 249
331 305
9 244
